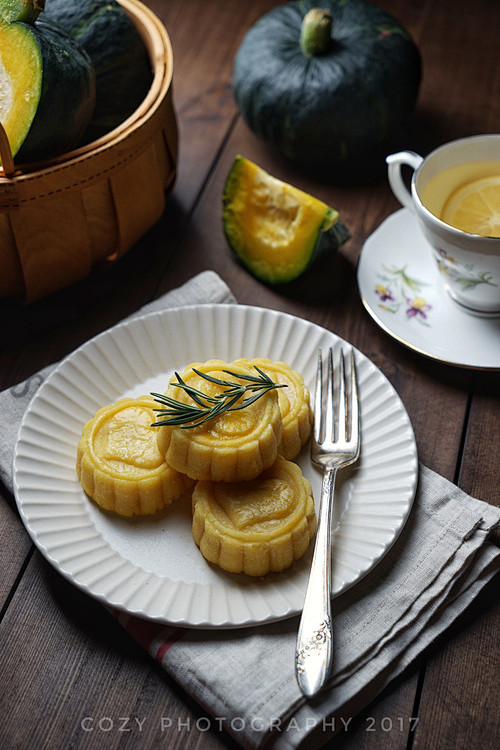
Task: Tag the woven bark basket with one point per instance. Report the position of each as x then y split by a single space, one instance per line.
60 218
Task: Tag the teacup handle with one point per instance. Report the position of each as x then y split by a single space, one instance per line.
398 187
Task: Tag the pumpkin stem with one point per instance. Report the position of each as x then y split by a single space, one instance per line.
21 10
315 32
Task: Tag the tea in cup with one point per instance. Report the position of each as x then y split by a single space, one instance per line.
455 194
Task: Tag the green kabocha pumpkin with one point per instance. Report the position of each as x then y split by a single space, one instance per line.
118 53
47 83
327 86
277 231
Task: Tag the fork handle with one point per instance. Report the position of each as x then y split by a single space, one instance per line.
314 655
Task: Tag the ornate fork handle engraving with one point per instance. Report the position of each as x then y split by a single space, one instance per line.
314 645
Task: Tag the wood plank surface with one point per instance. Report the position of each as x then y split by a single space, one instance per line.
465 670
15 548
64 658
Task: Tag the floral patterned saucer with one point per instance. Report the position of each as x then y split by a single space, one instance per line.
401 290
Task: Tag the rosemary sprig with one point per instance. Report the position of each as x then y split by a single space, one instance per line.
207 407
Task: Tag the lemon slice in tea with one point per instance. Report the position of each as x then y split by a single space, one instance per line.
475 207
276 230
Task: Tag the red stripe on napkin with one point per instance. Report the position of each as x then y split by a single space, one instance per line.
163 648
146 633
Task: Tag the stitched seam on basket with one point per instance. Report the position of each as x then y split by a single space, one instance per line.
13 202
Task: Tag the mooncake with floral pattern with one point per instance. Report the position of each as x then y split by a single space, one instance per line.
119 464
255 527
238 444
296 413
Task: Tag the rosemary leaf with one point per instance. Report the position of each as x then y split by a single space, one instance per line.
251 399
194 393
211 379
251 378
206 407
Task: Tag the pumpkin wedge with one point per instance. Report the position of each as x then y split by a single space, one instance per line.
47 83
276 230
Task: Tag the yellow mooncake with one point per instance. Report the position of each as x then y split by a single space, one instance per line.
255 527
234 446
296 413
119 464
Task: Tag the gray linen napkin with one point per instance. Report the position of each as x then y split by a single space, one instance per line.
245 678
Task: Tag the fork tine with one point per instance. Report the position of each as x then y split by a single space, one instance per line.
330 394
354 404
318 399
342 401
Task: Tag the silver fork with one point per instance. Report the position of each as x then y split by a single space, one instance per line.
331 450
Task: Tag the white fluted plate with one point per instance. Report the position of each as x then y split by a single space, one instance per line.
151 566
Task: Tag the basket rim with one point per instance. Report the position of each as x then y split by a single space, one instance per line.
163 74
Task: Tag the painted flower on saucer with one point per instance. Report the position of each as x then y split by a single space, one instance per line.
417 307
399 291
384 293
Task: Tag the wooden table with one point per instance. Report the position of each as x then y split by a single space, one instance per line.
63 657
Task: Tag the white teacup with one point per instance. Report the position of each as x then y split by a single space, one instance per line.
468 264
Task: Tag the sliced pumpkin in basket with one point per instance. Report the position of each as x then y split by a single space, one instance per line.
119 55
47 83
276 230
20 10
